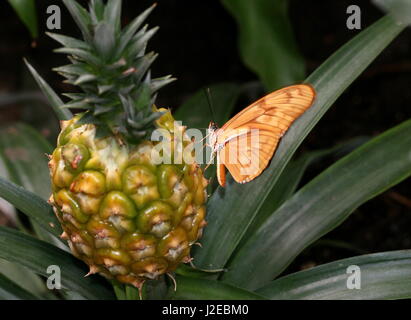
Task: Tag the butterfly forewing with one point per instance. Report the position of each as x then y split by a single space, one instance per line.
249 140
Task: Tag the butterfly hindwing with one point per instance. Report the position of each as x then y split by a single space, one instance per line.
247 155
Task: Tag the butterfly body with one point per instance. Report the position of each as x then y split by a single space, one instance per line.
247 142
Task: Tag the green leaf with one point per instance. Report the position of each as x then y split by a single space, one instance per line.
119 290
30 204
11 291
24 151
72 295
291 177
202 289
24 278
399 9
266 41
231 210
53 98
21 276
385 275
321 205
26 10
132 293
38 256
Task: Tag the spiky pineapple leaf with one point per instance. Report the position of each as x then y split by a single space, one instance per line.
69 42
202 289
53 98
81 17
131 29
85 55
112 14
30 204
228 216
38 255
158 83
322 205
104 40
97 10
385 275
12 291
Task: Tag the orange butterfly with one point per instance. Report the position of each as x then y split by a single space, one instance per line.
247 142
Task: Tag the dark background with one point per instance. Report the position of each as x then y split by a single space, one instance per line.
197 44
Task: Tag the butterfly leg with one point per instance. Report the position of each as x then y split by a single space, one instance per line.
211 161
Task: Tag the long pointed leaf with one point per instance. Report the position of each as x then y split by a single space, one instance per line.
38 256
24 152
385 275
30 204
24 278
53 98
11 291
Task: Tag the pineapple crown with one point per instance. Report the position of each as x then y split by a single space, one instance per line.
111 67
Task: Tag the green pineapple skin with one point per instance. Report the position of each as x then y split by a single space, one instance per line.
126 217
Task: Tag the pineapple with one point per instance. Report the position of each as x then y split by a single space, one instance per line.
124 214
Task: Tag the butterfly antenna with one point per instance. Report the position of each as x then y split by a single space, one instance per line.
210 104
